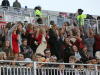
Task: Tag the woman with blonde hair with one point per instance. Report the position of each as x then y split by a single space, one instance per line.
36 39
54 27
91 29
43 44
29 28
43 32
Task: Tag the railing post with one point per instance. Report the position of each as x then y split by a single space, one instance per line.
79 23
48 19
97 27
95 69
30 17
82 21
34 67
4 15
64 18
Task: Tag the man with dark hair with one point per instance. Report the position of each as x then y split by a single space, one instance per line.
39 20
78 66
60 61
94 59
52 23
60 70
38 56
25 48
79 70
47 53
89 70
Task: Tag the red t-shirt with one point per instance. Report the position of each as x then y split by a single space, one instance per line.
39 38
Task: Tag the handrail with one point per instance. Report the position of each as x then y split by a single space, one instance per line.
48 62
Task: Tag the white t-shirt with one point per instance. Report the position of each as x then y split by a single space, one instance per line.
77 55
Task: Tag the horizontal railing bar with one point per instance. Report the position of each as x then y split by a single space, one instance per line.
46 62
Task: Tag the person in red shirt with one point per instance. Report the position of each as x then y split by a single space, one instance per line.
14 40
29 33
36 39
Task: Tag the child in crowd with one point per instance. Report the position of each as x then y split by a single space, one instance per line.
3 57
38 56
90 68
79 68
72 59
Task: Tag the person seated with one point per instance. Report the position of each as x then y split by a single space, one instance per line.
28 69
80 56
79 70
42 71
7 45
52 59
72 59
3 57
89 70
60 71
25 48
94 59
10 70
47 53
66 50
8 52
38 56
21 57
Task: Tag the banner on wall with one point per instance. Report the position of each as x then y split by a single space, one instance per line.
63 14
2 23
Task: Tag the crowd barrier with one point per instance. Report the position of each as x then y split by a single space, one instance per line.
35 70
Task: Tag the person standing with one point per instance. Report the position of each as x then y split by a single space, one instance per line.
17 4
14 40
5 3
38 13
80 17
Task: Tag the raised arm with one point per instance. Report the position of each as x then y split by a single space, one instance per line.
12 29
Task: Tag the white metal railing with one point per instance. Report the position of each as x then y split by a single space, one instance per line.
13 15
36 70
